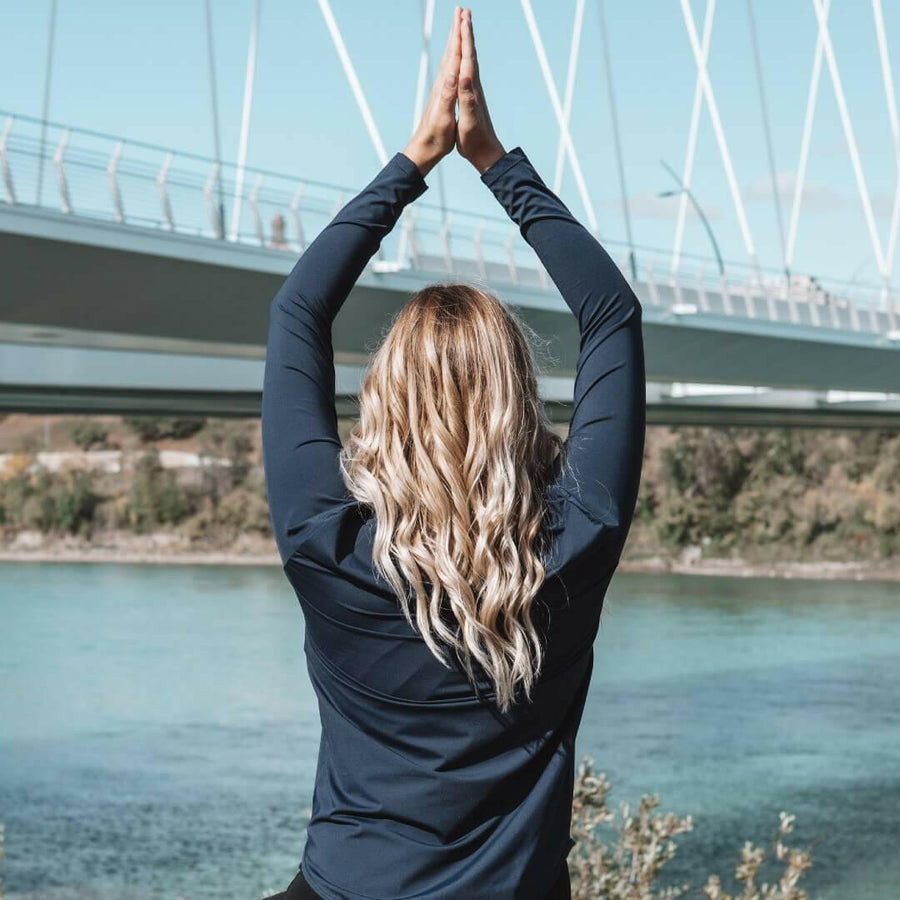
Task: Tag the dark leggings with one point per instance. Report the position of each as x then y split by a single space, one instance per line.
298 889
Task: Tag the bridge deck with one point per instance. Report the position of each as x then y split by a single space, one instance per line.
101 315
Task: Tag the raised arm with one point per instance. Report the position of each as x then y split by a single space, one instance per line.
606 434
299 421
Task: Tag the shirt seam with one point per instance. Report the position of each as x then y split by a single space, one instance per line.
356 685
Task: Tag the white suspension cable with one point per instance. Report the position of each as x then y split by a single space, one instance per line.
558 110
800 182
249 77
570 91
851 140
407 217
617 139
767 130
427 23
688 171
355 86
442 187
717 128
45 106
891 100
214 109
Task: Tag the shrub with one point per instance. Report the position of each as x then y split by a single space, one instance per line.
17 465
157 428
226 441
114 512
241 510
795 862
15 491
203 523
244 510
87 433
629 867
819 494
75 503
50 502
156 498
641 843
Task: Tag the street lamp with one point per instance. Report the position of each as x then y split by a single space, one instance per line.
684 189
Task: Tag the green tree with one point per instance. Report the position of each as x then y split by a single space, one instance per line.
87 433
704 472
76 502
155 497
225 449
157 428
47 501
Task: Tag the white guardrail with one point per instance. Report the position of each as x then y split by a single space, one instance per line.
83 173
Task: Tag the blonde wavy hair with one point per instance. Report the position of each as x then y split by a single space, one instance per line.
452 451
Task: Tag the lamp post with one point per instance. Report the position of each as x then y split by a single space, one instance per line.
684 189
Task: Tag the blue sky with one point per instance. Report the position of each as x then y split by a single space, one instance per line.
139 70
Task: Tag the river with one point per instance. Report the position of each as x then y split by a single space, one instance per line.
158 731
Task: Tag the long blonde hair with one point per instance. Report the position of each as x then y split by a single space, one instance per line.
452 452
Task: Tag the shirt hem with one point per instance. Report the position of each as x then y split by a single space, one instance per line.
410 169
327 890
506 162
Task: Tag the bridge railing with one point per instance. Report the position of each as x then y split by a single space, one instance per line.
83 173
768 295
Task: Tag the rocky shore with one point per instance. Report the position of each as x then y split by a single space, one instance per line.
172 548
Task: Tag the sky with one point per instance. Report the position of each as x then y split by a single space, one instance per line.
140 71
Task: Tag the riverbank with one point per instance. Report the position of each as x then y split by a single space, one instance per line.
787 503
740 568
121 546
170 548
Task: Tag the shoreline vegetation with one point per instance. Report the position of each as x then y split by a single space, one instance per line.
619 853
787 503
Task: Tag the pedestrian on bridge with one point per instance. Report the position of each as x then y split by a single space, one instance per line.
452 558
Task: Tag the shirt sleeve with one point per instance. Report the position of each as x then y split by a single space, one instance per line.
300 438
606 435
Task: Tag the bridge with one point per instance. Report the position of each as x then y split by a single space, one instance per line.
112 263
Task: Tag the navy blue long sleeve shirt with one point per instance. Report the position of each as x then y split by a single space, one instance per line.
424 789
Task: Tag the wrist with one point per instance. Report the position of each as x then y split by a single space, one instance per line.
486 159
424 159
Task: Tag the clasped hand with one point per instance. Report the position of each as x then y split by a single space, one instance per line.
472 133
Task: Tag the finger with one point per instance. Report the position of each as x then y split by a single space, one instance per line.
444 67
436 85
450 75
474 48
452 38
467 66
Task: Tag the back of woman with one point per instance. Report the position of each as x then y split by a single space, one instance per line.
452 558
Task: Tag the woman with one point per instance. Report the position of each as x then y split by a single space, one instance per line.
451 561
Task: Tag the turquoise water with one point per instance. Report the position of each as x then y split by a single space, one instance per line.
158 732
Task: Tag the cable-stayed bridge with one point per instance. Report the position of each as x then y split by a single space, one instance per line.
113 253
